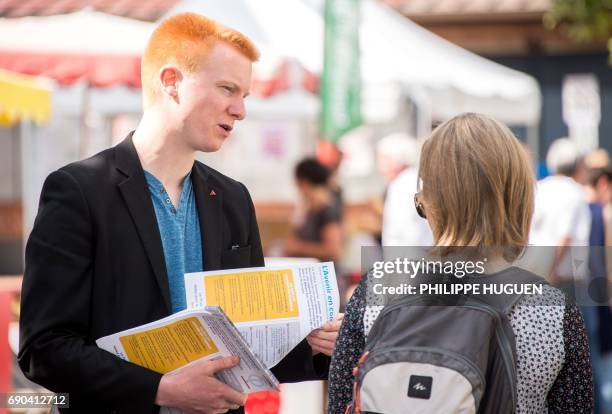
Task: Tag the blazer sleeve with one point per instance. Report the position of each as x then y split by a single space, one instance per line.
55 349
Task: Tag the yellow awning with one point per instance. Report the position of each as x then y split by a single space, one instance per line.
23 97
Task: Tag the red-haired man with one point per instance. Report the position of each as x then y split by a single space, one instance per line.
115 234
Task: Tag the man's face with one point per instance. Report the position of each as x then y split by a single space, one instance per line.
388 167
209 102
603 187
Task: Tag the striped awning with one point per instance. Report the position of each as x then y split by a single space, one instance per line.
23 97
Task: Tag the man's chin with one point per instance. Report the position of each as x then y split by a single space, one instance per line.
212 146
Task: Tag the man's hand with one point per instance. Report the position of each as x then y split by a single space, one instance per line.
196 390
323 340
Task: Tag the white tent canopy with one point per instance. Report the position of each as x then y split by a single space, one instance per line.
83 31
398 57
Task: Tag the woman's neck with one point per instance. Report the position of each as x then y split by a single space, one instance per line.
495 264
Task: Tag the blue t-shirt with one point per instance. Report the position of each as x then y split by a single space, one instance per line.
180 234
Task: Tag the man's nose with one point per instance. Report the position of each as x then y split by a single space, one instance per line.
237 109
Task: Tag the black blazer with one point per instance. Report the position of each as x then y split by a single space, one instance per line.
95 266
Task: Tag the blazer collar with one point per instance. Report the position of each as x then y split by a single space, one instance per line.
209 202
126 157
136 194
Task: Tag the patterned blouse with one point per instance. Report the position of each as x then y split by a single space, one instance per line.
553 359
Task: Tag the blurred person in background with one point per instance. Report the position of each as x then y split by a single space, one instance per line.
561 217
599 160
394 153
599 197
317 228
401 224
599 320
333 163
562 228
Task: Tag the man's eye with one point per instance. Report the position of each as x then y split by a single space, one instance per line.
228 88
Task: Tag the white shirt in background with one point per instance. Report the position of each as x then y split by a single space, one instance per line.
402 226
561 211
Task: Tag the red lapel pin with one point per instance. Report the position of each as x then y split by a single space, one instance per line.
212 193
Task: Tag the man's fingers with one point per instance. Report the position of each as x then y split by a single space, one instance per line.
326 336
231 406
326 347
220 364
228 398
233 397
326 350
332 325
319 343
324 339
227 393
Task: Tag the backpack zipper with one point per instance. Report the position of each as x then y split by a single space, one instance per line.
452 354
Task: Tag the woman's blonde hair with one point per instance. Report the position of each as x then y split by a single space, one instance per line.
477 185
184 40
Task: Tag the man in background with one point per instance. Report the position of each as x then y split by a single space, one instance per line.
561 218
401 224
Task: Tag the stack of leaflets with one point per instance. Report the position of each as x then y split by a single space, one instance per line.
257 314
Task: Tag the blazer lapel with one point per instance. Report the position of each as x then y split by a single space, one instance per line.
209 202
138 200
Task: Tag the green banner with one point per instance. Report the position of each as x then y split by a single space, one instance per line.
341 83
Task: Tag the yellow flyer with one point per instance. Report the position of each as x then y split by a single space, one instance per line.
169 347
188 337
273 308
251 296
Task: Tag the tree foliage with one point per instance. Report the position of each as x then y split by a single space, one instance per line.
584 20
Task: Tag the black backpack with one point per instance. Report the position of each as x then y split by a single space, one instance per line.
442 353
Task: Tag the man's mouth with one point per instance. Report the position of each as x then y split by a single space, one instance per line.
227 127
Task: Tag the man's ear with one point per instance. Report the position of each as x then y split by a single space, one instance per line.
170 77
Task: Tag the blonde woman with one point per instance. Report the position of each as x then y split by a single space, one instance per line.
478 190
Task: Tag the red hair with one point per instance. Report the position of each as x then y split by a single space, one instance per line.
185 40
